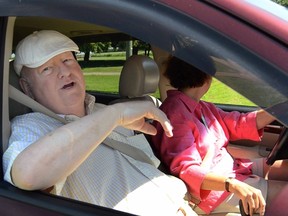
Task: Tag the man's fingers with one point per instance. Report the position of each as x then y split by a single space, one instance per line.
164 121
168 128
135 113
148 129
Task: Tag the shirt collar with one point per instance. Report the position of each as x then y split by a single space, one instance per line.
191 104
89 102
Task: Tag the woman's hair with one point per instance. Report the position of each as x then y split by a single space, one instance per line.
183 75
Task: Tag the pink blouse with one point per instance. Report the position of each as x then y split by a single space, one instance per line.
196 135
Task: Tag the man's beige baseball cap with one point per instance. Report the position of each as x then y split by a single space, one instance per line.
39 47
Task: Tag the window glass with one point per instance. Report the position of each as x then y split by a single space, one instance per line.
102 71
103 65
220 93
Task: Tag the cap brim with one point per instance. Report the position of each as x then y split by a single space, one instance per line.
47 58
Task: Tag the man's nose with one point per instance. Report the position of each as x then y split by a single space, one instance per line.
63 71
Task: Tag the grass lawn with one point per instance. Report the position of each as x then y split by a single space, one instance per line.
112 62
218 93
102 83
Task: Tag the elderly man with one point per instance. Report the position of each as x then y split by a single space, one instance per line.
44 153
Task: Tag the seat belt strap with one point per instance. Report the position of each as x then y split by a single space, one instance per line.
22 98
126 149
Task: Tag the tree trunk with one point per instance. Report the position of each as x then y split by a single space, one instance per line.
86 56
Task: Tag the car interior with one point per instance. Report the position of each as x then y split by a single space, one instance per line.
147 76
139 79
146 79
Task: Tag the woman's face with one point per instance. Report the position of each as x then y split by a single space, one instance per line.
207 85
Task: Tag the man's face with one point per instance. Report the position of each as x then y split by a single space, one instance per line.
58 84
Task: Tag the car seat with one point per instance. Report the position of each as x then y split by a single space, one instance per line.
15 108
139 79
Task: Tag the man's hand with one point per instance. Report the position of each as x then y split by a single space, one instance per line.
133 114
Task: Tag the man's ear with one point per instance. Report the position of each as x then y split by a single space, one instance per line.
26 87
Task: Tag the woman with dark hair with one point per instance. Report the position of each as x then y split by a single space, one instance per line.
197 152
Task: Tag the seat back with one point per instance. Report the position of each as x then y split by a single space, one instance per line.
15 108
139 79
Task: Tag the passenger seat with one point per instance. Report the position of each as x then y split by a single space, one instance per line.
139 79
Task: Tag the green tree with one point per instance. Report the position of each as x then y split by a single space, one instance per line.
282 2
140 45
98 47
86 48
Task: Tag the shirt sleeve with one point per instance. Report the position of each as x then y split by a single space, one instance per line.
8 159
20 138
25 130
241 125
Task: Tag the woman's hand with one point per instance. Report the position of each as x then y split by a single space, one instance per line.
252 198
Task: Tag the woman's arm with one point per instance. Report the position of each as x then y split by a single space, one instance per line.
263 118
249 195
